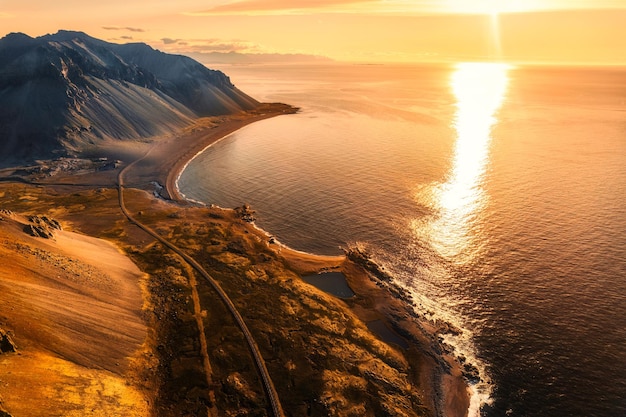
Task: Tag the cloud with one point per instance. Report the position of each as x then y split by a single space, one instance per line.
125 28
301 7
215 45
396 7
209 45
121 39
4 15
282 7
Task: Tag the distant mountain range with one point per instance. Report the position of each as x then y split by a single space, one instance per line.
61 92
212 58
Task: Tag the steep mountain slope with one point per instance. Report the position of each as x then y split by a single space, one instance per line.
61 92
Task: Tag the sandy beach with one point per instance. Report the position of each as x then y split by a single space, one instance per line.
166 157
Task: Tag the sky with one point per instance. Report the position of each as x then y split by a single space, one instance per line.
541 31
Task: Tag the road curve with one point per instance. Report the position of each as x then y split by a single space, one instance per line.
268 385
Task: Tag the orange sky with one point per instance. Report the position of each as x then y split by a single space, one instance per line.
573 31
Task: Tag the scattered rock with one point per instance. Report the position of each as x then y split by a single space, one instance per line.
38 231
245 213
42 226
45 221
471 373
4 413
6 344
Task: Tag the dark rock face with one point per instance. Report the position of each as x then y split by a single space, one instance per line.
42 226
246 213
6 344
62 92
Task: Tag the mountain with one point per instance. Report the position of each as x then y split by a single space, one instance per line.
62 92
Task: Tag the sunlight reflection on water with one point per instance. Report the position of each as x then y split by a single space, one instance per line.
479 89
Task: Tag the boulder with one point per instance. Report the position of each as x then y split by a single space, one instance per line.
6 344
42 226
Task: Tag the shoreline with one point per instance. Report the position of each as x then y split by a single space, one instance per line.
164 158
203 140
449 392
438 375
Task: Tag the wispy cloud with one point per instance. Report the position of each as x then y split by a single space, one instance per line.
169 41
209 45
284 7
123 28
4 15
402 7
121 39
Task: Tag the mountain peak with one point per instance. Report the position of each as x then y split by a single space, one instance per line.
71 35
62 91
16 37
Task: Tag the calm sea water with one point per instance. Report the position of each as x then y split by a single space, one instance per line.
496 196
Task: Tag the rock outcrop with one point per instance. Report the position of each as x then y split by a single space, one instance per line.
6 344
42 226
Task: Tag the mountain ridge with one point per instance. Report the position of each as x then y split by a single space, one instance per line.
62 92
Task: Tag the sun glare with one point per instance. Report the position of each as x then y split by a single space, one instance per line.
491 7
479 89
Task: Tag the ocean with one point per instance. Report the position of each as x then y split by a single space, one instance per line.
494 194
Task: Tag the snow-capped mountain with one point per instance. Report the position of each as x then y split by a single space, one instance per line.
61 92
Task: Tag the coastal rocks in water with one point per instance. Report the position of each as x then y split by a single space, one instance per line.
6 344
42 226
437 345
470 372
361 257
379 275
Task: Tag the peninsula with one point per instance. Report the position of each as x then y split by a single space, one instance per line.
104 306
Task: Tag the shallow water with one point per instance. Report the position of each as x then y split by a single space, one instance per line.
379 328
496 195
331 282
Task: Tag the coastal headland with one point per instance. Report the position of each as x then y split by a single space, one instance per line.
104 319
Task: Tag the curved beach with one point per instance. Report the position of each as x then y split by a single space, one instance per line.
327 345
441 377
